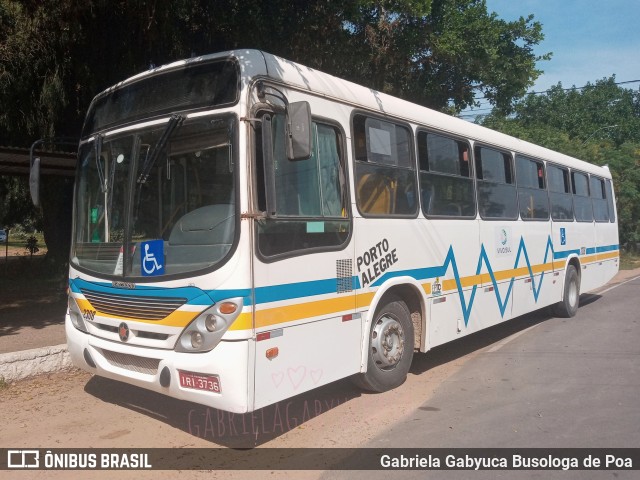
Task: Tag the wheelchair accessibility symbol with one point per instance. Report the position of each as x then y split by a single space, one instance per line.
152 258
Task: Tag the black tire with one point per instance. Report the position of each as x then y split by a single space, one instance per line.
390 348
568 306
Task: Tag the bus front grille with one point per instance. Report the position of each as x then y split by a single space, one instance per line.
134 363
134 307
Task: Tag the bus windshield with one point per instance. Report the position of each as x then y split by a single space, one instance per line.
165 195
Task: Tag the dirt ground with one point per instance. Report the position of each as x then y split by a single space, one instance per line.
75 409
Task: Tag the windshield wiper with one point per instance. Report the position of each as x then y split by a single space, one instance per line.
98 151
151 158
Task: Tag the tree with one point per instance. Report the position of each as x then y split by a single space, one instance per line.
55 55
17 207
600 124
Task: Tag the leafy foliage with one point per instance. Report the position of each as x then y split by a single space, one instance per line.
31 245
17 207
55 55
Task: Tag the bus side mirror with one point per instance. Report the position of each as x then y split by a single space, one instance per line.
298 131
34 181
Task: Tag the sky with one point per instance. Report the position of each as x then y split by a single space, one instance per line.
589 39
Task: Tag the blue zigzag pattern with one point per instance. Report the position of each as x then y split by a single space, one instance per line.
450 261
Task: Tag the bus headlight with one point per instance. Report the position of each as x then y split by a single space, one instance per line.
75 314
210 322
197 340
206 330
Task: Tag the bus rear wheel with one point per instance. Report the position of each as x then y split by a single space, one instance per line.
390 348
568 306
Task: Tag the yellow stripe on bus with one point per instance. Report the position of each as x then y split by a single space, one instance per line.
288 313
485 278
608 255
277 315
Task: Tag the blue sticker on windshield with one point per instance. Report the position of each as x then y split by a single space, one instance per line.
152 258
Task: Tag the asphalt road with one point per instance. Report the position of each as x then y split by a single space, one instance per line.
560 383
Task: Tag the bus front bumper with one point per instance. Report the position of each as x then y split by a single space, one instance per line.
185 376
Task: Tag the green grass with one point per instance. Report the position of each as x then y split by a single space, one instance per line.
20 241
629 260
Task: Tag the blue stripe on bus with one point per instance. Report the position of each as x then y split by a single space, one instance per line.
588 251
565 254
291 291
416 273
193 295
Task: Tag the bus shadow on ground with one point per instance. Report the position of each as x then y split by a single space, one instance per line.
246 430
261 426
484 338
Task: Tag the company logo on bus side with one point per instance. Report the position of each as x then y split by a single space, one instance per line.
375 261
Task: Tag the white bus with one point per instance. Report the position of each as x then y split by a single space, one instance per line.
247 229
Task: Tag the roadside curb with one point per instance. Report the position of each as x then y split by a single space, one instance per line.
27 363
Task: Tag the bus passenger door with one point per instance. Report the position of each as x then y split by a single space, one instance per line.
306 331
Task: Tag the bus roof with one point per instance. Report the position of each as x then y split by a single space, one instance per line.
256 63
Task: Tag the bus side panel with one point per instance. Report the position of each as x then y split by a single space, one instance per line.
608 251
450 253
536 285
304 308
309 356
500 241
585 244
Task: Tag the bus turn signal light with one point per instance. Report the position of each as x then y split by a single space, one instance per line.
272 353
227 308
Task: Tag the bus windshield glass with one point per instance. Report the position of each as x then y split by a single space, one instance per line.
180 217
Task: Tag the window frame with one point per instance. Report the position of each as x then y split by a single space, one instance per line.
412 163
611 204
603 199
568 191
573 172
258 177
545 189
472 177
478 158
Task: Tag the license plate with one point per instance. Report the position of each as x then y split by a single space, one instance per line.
197 381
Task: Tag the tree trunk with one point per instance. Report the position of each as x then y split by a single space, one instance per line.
57 204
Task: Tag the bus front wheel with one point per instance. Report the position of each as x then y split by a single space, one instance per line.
390 348
568 306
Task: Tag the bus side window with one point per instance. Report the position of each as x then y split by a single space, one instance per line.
446 186
385 178
599 200
560 193
497 198
610 203
581 197
532 191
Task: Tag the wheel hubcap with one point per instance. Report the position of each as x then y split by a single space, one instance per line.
573 293
387 342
